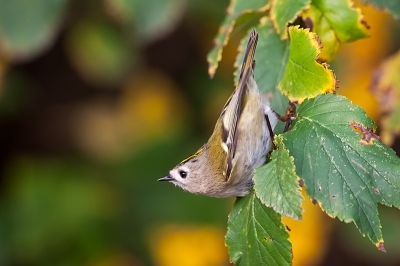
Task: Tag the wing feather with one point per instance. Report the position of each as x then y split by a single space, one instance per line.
233 107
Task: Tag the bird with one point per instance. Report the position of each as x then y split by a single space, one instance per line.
241 140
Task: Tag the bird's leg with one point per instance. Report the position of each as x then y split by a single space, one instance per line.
289 116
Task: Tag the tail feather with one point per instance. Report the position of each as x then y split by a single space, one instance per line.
232 109
248 60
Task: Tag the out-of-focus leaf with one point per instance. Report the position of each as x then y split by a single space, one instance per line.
386 89
335 22
276 183
271 57
391 6
284 12
140 125
150 19
201 12
51 206
236 9
99 52
344 167
206 245
256 235
304 77
28 27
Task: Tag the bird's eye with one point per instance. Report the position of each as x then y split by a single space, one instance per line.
183 174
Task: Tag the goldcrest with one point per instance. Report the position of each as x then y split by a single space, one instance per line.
240 142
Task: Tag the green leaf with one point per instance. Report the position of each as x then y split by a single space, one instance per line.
271 57
304 77
256 235
284 12
276 183
346 21
335 22
28 27
325 33
99 52
391 6
236 9
386 89
150 19
344 167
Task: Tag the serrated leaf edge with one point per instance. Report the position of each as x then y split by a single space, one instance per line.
284 34
361 23
293 171
316 43
379 240
227 30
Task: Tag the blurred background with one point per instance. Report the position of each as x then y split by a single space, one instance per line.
99 99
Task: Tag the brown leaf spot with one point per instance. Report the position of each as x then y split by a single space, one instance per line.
309 23
314 201
380 246
376 191
288 228
301 182
365 24
367 134
268 239
334 196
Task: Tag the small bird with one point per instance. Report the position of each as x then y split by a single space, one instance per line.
241 140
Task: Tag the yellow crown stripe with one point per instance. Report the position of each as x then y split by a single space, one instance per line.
192 156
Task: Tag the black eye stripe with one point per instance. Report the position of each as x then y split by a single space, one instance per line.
183 174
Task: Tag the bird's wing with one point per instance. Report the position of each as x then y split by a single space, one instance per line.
231 113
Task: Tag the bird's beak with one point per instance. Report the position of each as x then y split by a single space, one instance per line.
166 178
